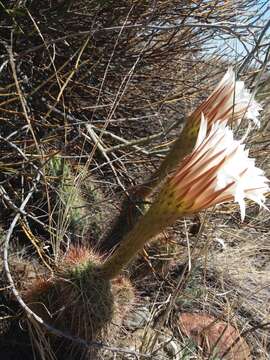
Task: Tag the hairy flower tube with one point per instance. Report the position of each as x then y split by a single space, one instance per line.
217 171
228 103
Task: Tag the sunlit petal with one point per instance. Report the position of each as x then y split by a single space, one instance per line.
230 101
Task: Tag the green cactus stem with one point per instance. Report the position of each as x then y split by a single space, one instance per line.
134 206
165 210
181 147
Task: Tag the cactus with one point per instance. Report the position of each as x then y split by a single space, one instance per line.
78 301
69 204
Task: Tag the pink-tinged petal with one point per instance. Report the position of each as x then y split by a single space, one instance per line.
230 101
202 131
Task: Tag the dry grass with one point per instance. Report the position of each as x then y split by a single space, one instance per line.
92 94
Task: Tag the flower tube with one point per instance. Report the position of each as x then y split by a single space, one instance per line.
229 103
217 171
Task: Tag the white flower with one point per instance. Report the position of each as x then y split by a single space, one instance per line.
230 101
218 170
